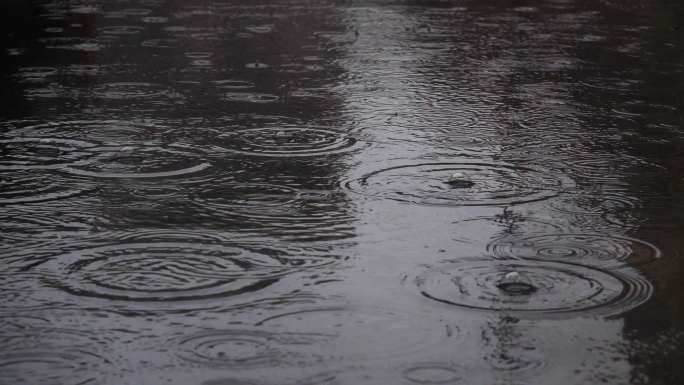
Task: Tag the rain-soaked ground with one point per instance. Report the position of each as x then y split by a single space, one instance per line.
255 192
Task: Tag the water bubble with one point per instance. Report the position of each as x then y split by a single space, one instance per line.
516 282
459 180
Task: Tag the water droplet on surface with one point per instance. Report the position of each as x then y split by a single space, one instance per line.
460 180
516 282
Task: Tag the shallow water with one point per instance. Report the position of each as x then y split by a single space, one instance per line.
241 192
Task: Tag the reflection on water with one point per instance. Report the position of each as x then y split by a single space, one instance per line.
244 192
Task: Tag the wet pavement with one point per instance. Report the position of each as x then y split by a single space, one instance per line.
341 192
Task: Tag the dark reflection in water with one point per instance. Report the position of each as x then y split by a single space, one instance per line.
258 192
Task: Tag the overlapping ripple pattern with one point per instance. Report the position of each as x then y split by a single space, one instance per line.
341 192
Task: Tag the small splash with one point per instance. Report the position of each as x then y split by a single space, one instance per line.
562 289
494 184
256 65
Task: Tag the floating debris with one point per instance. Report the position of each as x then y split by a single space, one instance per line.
516 282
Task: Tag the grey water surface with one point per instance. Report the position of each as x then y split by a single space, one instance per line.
255 192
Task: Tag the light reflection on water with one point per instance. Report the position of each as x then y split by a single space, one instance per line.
232 193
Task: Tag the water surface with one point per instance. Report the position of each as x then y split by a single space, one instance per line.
254 192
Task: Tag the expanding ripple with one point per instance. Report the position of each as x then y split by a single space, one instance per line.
75 43
23 153
363 333
276 209
247 199
166 271
507 362
432 373
249 97
50 356
122 30
233 84
595 203
161 43
480 230
562 288
139 162
588 249
98 131
32 187
288 142
425 184
131 90
244 349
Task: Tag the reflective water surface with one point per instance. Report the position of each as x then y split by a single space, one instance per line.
258 192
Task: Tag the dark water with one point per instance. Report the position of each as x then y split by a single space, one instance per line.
254 192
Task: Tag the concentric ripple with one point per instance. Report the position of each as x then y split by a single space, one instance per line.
288 142
23 153
588 249
362 333
139 162
249 97
425 184
245 349
32 187
562 288
122 30
432 373
95 131
162 272
233 84
49 356
248 199
131 90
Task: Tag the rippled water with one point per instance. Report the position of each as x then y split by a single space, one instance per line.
257 192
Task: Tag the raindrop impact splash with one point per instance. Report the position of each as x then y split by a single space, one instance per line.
491 184
561 289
